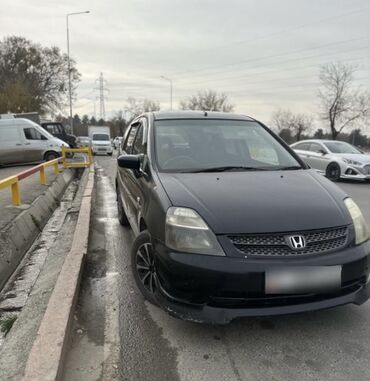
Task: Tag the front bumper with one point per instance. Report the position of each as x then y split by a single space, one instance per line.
102 149
219 289
356 173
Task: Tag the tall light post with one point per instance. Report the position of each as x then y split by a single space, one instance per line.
170 81
69 68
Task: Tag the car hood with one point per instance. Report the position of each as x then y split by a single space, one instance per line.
364 159
259 202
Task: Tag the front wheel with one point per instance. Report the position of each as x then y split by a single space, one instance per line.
51 156
143 266
333 172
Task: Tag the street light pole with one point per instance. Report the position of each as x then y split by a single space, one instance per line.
170 81
69 69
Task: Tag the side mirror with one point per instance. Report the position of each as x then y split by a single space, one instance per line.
322 152
129 161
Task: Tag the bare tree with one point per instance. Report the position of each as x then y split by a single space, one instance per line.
208 100
342 104
136 107
283 120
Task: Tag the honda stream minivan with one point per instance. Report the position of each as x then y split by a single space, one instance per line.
230 222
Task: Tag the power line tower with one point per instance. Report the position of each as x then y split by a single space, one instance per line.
102 97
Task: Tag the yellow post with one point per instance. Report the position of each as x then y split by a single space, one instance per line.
16 196
64 157
42 175
56 168
90 155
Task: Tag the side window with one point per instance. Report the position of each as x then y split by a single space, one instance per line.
314 147
53 129
32 134
302 146
139 142
130 139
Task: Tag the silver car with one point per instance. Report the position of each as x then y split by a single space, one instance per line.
334 159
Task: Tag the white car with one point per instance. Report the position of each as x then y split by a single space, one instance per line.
334 159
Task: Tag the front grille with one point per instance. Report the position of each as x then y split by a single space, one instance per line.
276 245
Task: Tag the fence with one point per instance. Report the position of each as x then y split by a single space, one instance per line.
13 181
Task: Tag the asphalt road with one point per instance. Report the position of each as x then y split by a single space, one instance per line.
325 345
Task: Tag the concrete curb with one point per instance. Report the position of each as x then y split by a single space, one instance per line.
17 237
45 361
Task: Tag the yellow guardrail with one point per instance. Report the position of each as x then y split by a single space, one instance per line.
13 181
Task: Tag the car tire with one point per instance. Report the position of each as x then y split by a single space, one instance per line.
143 266
122 217
333 172
51 155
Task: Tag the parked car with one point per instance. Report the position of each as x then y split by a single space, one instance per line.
117 142
57 129
22 140
230 222
83 141
334 159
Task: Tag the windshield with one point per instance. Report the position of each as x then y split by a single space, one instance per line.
341 147
103 137
203 145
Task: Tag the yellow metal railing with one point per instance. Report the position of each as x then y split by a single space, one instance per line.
13 181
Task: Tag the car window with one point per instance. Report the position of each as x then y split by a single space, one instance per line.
33 134
341 147
130 138
138 146
53 129
302 146
202 144
315 147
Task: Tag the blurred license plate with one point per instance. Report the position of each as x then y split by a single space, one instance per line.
306 279
102 149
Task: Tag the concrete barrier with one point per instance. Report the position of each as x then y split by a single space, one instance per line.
17 237
45 361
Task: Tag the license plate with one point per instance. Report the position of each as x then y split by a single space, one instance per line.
305 279
102 149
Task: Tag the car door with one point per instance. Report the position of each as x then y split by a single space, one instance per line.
123 175
11 144
318 157
35 144
137 179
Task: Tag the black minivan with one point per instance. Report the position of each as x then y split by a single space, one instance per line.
229 221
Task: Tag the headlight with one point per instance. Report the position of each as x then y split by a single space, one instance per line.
187 231
353 162
361 229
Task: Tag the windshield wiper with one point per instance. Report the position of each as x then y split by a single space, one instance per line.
225 169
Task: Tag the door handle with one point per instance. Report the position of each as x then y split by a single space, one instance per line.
27 144
18 144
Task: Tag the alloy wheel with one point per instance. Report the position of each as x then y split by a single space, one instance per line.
145 267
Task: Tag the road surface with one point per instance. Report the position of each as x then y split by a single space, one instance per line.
325 345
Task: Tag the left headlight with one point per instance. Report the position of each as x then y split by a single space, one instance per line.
186 231
361 228
353 162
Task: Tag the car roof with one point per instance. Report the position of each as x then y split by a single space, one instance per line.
163 115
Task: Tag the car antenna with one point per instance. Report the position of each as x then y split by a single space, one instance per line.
205 113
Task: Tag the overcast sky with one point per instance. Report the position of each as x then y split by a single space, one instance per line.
265 54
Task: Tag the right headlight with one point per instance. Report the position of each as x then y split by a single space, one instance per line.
186 231
362 230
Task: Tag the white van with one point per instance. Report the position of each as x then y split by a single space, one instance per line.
24 141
